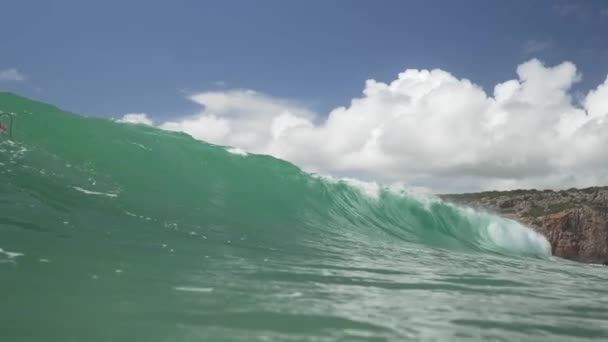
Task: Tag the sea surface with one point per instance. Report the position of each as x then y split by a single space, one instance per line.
121 232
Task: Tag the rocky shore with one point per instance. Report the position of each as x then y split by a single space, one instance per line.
575 221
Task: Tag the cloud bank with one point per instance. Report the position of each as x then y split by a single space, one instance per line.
428 129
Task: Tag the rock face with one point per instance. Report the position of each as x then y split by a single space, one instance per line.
575 221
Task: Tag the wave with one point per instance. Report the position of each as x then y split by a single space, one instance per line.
138 177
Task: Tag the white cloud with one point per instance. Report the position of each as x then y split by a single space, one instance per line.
241 118
428 129
136 118
12 75
534 46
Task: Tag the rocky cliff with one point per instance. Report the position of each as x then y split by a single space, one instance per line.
575 221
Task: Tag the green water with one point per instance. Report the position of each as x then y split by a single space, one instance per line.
116 232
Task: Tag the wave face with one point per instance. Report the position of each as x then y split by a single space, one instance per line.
135 171
136 225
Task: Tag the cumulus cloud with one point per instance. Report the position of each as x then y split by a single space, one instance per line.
428 129
136 118
242 118
12 75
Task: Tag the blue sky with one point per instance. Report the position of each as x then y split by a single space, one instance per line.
107 58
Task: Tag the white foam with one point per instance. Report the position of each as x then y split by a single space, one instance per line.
237 151
421 195
11 255
139 145
370 189
193 289
90 192
138 216
373 189
327 178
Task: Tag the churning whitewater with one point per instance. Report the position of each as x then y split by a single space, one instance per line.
120 231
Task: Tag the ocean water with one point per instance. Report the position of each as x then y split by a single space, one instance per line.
118 232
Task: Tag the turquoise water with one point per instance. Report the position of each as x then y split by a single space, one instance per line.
117 232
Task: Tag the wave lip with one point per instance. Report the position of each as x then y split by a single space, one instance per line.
503 235
403 215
